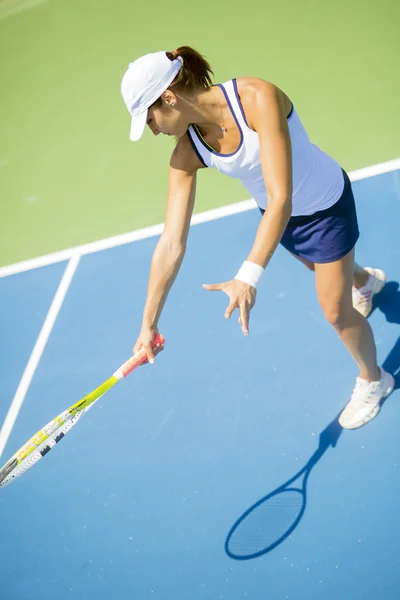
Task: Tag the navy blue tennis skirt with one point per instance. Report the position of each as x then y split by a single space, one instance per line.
327 235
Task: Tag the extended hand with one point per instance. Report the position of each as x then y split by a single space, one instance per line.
241 296
145 340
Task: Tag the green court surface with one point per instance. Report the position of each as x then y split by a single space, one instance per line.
68 173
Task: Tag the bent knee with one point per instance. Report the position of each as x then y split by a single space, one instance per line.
337 314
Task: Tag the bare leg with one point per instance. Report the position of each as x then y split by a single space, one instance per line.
334 282
308 263
360 276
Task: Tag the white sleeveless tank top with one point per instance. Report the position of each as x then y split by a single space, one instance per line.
318 180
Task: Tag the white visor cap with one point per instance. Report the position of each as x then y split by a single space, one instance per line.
144 82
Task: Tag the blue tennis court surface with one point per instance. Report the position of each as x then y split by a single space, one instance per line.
138 501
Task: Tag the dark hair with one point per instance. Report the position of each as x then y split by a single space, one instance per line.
195 71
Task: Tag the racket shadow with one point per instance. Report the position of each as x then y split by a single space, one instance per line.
271 520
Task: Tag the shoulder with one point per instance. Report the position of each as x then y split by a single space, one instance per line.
184 158
253 88
258 94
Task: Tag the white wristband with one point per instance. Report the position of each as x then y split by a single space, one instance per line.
250 273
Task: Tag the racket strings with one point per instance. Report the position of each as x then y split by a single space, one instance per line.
56 430
43 435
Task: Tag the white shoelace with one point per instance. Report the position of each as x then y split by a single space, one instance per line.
364 391
362 295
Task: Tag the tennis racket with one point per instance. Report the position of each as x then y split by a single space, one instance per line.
46 438
272 519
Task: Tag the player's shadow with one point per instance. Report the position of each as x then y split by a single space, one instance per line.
268 522
271 520
388 302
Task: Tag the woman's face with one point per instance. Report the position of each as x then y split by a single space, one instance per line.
167 120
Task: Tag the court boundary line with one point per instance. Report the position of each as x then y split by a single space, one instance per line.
154 230
37 351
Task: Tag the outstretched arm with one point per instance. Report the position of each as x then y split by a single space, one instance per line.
170 250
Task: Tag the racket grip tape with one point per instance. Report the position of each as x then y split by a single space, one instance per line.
140 358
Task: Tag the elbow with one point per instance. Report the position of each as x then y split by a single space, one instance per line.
175 248
282 205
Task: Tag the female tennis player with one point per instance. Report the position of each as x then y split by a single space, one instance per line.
249 129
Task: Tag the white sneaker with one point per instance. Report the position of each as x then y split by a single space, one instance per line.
365 402
362 297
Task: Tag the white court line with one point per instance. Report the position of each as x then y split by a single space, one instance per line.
37 352
378 169
140 234
120 240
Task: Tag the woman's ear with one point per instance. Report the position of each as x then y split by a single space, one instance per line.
169 98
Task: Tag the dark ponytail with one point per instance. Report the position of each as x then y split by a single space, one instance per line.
195 72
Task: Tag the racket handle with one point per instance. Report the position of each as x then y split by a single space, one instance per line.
140 358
